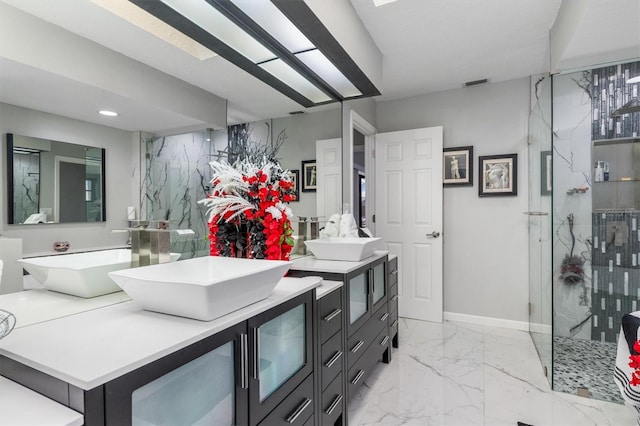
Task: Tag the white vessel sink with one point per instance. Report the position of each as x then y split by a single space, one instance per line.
203 288
80 274
351 249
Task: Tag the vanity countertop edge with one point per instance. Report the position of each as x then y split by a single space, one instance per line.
92 348
313 264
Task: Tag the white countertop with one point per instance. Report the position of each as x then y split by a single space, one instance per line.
311 263
74 250
327 287
22 406
34 306
94 347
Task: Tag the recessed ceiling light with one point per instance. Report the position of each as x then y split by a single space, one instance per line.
378 3
108 113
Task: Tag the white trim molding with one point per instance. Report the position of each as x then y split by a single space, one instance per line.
493 322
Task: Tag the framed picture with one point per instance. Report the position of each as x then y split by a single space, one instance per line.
498 175
295 176
309 176
457 167
545 176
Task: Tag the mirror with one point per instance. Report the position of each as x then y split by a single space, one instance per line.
54 182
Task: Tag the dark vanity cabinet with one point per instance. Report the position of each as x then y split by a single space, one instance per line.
365 337
258 372
392 283
331 359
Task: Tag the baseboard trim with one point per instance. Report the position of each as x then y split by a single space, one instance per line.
493 322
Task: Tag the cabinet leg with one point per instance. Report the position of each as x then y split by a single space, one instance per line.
394 341
386 355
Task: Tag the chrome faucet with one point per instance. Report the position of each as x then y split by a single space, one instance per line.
315 228
302 235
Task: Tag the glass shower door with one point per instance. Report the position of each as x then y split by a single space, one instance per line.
539 214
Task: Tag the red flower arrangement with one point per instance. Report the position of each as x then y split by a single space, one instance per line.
247 214
635 364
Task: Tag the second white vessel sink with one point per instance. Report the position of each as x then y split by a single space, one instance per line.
202 288
351 249
80 274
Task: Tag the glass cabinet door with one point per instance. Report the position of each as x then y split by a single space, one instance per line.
378 282
201 392
358 300
281 349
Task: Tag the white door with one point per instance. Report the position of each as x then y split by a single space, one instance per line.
329 177
409 215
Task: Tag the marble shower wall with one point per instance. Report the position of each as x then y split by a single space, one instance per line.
26 186
572 170
177 176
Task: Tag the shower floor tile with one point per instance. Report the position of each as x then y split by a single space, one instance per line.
579 363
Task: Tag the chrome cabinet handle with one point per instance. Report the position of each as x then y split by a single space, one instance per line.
333 405
434 234
244 354
384 317
395 324
332 315
333 359
358 377
384 341
394 298
394 272
536 213
292 418
256 353
357 346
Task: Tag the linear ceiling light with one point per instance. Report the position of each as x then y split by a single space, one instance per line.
149 23
260 37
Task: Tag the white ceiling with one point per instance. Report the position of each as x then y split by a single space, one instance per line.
427 46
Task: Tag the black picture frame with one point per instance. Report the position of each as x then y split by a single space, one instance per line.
460 160
498 175
309 176
295 177
546 171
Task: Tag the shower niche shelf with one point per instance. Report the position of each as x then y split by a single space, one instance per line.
621 190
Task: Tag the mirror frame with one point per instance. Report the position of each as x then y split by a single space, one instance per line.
10 182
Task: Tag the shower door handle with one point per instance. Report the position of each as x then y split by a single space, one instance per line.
434 234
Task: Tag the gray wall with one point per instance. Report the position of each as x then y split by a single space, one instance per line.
119 172
302 133
485 239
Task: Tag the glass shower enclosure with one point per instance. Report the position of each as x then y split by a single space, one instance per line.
585 259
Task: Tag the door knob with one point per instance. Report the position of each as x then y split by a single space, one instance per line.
434 234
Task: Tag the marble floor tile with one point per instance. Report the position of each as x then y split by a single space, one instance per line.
461 374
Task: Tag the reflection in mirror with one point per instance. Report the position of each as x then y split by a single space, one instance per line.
54 182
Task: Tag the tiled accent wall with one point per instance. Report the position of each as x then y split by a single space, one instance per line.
26 183
616 271
610 92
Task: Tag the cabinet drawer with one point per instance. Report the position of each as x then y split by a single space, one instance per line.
392 276
380 343
359 372
330 314
331 356
332 404
393 299
295 409
393 323
360 341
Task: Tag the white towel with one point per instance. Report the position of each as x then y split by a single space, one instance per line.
622 372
